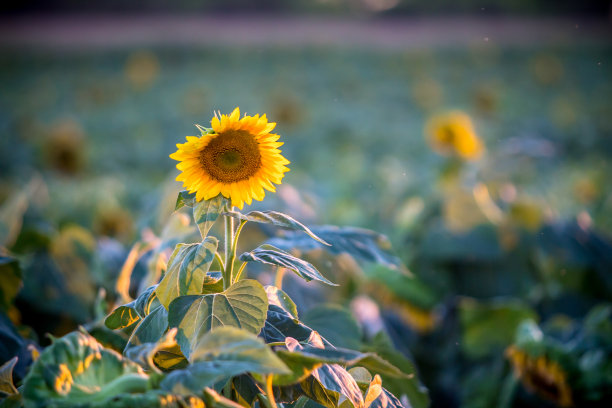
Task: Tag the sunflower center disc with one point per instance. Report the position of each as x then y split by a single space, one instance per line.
232 156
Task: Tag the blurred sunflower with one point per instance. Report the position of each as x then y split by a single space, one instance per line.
542 376
237 158
452 133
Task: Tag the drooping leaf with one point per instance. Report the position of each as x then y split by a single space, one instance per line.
6 378
280 324
267 254
223 353
364 245
144 354
243 305
206 212
150 329
330 384
184 198
279 298
187 269
378 397
121 317
75 370
143 302
10 281
277 219
336 324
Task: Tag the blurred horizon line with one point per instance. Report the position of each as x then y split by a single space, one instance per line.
124 31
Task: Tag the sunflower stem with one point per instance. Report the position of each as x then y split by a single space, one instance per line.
234 248
270 391
229 256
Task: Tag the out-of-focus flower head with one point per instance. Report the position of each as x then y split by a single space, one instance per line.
452 134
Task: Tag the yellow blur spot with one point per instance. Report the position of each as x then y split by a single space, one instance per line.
452 134
142 69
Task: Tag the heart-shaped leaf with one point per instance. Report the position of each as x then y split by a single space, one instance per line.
243 305
150 329
277 219
270 255
187 270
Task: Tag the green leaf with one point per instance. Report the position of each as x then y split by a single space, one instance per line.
409 385
206 212
223 353
336 324
6 377
187 269
488 327
121 317
378 397
143 302
330 384
267 254
184 198
144 354
362 244
10 281
279 298
214 400
150 399
280 324
213 283
75 370
277 219
243 305
150 329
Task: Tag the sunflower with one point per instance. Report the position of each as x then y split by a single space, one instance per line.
541 375
237 158
453 134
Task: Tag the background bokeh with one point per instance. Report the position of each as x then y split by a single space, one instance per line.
94 97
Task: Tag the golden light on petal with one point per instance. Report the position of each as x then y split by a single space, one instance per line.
542 376
238 158
452 133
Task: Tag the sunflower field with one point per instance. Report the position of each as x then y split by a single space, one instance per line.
306 225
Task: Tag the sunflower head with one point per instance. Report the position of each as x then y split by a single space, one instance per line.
453 134
236 157
541 375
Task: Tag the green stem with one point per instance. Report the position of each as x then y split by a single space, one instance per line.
229 257
220 260
240 271
280 274
270 391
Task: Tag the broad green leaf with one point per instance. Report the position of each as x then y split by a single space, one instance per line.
362 244
187 269
280 324
243 305
144 354
75 370
206 212
223 353
184 198
267 254
279 298
149 399
336 324
121 317
10 281
488 327
6 378
150 329
277 219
